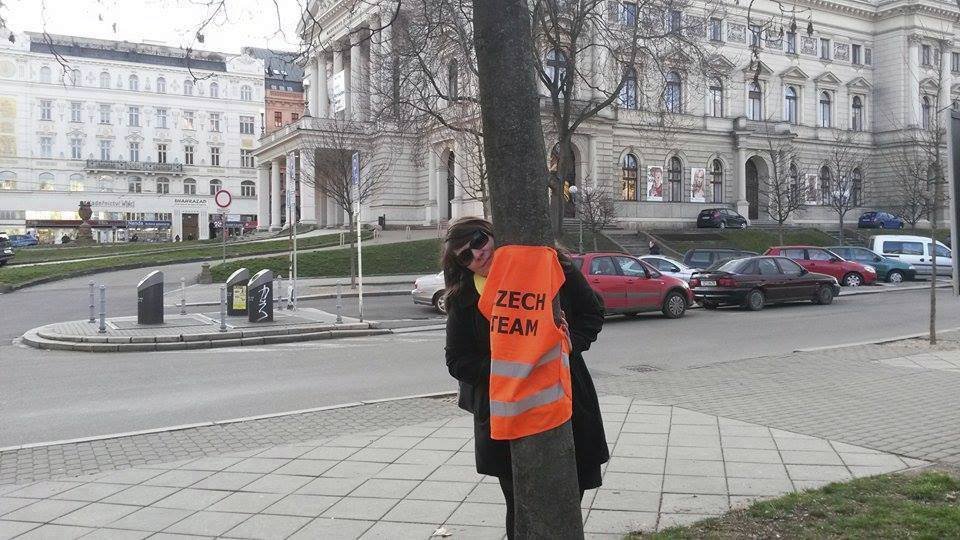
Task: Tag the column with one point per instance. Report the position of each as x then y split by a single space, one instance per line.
308 200
320 91
912 80
743 207
380 54
355 85
263 197
337 68
310 82
275 201
430 213
366 54
458 179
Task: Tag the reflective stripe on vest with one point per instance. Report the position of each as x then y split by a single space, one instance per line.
520 370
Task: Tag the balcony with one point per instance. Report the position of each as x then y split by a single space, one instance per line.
98 165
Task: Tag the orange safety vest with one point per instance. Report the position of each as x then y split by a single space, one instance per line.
530 388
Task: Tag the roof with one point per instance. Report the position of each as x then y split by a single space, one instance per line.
126 51
279 67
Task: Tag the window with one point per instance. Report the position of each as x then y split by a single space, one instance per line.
767 267
715 106
955 62
856 114
76 111
247 188
188 87
754 102
453 91
277 118
133 83
855 55
45 75
628 183
824 49
46 182
161 153
163 185
631 267
716 29
76 182
246 125
673 21
602 266
246 93
789 267
819 255
925 112
628 94
161 85
294 117
46 109
75 79
135 152
215 186
134 185
188 155
675 177
716 180
556 68
794 253
756 35
868 56
628 13
215 156
825 109
46 147
105 150
76 148
215 122
214 90
856 187
674 94
189 186
104 80
246 158
188 117
826 184
162 117
791 43
925 55
133 116
104 113
790 105
8 180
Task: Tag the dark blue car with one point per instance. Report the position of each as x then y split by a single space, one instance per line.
879 220
22 240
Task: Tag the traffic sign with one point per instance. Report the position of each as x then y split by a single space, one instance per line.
223 198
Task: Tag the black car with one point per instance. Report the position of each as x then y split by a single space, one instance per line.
720 218
703 258
754 282
6 251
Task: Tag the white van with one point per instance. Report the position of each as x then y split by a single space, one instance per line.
913 250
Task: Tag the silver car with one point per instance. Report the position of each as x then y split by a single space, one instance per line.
429 291
669 266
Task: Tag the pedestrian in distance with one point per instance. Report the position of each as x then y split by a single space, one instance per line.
653 248
466 260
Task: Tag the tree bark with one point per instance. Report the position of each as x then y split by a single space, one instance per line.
546 489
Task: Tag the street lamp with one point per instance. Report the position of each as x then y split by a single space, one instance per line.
574 191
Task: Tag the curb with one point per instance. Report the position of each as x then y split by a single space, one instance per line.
876 289
323 296
875 341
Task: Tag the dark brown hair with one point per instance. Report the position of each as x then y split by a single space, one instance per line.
460 231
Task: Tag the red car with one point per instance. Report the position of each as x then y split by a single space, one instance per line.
824 261
628 285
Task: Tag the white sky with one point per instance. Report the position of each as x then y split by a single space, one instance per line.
244 23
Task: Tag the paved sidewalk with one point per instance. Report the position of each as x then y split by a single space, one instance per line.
670 466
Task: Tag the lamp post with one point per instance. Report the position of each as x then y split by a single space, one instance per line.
574 192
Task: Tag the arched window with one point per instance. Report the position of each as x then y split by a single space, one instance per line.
8 180
189 186
246 93
675 177
453 89
628 189
790 105
248 189
628 94
796 190
46 181
673 94
133 83
826 111
557 68
925 112
163 185
45 75
856 114
134 184
754 102
716 180
215 186
104 80
716 98
856 187
161 85
188 87
75 79
76 182
214 90
826 184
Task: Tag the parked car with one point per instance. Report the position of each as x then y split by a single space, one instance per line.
879 220
630 286
669 267
429 291
720 218
23 240
824 261
703 258
891 270
914 250
6 251
754 282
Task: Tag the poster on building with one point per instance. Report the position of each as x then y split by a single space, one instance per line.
291 187
335 90
655 183
811 189
698 184
240 297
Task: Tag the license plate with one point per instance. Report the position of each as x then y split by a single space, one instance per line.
709 283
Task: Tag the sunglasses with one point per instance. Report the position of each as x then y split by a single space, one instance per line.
477 241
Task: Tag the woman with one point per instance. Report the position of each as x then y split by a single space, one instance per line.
467 256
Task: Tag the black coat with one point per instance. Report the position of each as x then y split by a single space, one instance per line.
468 360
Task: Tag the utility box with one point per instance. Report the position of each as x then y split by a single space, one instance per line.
150 299
237 292
260 297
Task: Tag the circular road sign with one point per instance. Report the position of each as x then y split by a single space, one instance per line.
223 198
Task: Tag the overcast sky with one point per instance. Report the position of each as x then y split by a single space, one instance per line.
174 22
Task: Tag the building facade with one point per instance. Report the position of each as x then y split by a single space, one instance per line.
146 133
284 101
861 72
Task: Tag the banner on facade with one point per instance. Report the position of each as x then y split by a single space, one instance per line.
812 188
655 183
698 184
336 90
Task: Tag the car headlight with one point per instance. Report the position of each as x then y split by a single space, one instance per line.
910 267
870 269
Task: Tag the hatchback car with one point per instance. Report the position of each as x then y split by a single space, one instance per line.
670 267
824 261
6 251
891 270
23 240
879 220
630 286
914 250
430 291
703 258
755 282
720 218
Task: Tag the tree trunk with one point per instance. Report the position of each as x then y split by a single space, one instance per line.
841 230
565 169
546 490
780 232
353 252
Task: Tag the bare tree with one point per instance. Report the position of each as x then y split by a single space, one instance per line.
842 187
911 198
595 209
782 189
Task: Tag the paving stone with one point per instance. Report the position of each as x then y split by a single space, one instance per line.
486 493
230 481
377 455
306 467
246 503
689 467
302 505
335 453
636 465
354 469
178 478
694 484
793 443
413 511
286 452
191 499
96 515
691 452
455 473
268 527
383 487
682 503
613 521
257 465
635 501
643 439
43 511
436 443
804 457
872 460
129 476
56 532
10 529
829 473
151 519
93 491
631 450
211 463
116 534
9 504
442 491
322 527
331 486
680 520
140 495
404 471
645 427
755 470
42 490
367 508
759 486
483 514
277 483
757 443
207 523
633 481
749 455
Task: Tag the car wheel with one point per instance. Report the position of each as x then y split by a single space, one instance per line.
723 225
852 279
754 301
709 305
674 305
895 276
824 296
882 226
743 225
901 226
440 302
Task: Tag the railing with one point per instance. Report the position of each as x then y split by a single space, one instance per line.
108 165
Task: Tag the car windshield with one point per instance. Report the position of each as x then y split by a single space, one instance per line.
727 265
868 215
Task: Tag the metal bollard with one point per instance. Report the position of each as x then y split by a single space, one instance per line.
93 316
103 310
291 299
223 308
286 299
408 232
339 303
183 297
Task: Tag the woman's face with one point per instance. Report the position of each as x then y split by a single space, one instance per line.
482 257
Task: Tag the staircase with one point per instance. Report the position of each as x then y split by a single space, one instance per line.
851 237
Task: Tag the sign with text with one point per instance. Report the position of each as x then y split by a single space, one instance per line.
336 91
